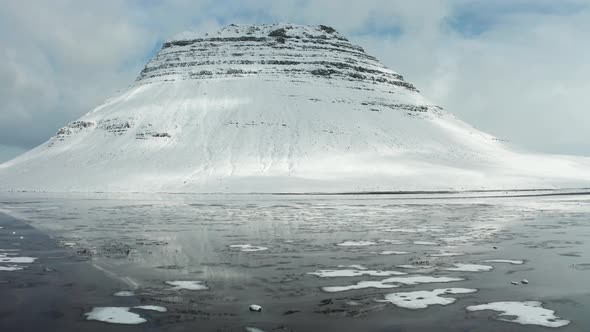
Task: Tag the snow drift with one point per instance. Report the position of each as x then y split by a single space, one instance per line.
276 108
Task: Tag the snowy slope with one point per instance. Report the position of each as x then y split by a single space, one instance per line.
276 108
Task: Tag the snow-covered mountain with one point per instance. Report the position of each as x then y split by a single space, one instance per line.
276 108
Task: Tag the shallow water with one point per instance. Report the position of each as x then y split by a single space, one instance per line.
146 240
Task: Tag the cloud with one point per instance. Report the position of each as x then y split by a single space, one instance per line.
515 69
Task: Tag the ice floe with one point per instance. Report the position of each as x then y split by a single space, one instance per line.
10 268
255 307
413 230
394 252
407 266
124 293
414 280
114 315
423 299
390 283
525 313
248 247
359 285
356 243
425 243
188 285
151 307
469 268
253 329
446 254
509 261
354 273
353 266
392 241
22 260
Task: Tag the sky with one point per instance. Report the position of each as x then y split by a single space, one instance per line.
517 69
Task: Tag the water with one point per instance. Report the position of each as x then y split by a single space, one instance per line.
145 240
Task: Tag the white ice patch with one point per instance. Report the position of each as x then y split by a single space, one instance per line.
526 313
124 293
10 268
390 283
392 241
353 266
253 329
354 273
423 299
359 285
114 315
407 266
248 247
469 268
508 261
393 252
425 243
356 243
19 260
151 307
420 280
446 254
413 230
188 285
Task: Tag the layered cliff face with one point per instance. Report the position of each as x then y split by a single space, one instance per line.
276 108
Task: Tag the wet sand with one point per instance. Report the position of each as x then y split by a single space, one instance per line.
101 247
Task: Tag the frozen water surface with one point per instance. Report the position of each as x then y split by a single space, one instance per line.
357 243
508 261
354 273
151 307
248 247
359 285
469 268
424 299
10 268
526 313
188 285
114 315
124 293
394 252
145 241
6 258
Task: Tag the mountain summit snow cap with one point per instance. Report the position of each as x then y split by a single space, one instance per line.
285 30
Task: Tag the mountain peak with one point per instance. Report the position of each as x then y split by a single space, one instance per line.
270 51
285 30
276 108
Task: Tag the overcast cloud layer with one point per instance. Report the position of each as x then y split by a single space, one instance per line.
516 69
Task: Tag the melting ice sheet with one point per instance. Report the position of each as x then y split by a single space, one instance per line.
357 243
526 313
469 268
114 315
10 268
4 258
423 299
248 247
120 315
187 284
354 273
393 252
390 283
508 261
